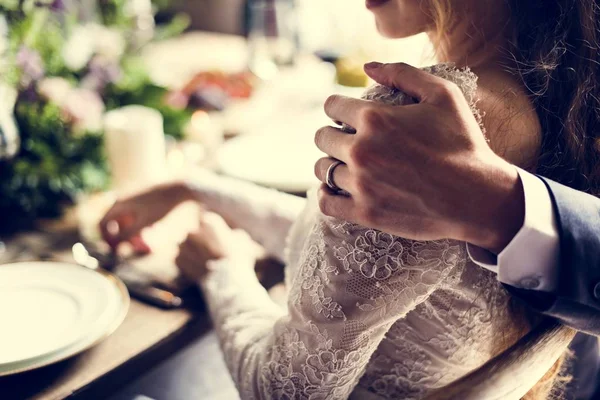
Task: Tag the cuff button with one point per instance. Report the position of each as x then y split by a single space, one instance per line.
597 291
534 283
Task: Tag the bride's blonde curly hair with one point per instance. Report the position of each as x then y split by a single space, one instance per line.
442 16
555 52
556 55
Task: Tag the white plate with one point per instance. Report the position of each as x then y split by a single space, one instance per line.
282 155
280 151
52 311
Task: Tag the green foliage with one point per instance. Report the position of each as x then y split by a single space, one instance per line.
178 24
52 167
161 4
112 12
38 30
136 88
54 163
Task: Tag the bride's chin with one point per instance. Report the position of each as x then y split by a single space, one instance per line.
383 31
397 22
394 32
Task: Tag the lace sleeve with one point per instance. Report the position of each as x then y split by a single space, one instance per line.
351 285
266 214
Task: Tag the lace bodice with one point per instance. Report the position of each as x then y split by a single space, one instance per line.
369 315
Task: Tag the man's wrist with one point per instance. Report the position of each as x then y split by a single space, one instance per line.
502 210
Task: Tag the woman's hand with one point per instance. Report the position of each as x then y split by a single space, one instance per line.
214 240
126 219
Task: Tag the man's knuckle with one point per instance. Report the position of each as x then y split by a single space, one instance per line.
319 135
368 213
317 169
371 118
325 204
363 185
331 101
446 90
360 154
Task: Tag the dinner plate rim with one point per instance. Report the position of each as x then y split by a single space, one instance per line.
76 347
98 323
225 167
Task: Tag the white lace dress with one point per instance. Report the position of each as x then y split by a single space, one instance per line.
369 315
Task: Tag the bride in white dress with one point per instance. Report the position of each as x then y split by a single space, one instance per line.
369 315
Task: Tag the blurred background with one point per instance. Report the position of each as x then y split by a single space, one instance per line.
102 98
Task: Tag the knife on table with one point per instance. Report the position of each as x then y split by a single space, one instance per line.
140 287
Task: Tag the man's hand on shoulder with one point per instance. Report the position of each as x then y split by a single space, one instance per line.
422 171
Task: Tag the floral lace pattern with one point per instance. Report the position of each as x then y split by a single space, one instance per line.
369 314
326 373
374 254
451 333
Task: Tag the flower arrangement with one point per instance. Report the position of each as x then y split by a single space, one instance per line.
63 64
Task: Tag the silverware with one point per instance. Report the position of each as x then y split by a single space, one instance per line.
139 287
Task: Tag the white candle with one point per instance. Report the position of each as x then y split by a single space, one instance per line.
135 145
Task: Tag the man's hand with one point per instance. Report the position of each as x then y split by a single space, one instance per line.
422 171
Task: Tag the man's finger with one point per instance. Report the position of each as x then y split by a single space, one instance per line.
334 142
334 205
344 109
341 174
408 79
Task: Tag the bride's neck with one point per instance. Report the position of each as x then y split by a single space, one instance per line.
478 37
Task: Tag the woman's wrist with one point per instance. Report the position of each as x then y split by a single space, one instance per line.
233 267
188 191
201 186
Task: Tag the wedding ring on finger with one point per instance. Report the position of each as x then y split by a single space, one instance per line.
329 181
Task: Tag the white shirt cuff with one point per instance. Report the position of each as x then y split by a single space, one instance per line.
530 261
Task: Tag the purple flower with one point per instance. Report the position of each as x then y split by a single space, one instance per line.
101 73
28 94
31 65
54 6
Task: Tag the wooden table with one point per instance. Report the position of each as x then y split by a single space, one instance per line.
147 336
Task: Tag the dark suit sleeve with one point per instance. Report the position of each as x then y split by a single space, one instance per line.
576 302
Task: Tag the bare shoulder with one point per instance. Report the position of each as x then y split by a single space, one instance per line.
509 117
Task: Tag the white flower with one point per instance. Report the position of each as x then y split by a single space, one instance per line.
136 8
55 89
85 109
89 40
79 48
3 35
3 42
109 43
